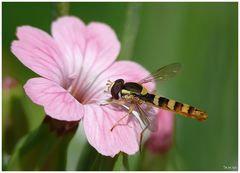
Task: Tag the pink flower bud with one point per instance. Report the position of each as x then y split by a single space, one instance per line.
9 83
161 140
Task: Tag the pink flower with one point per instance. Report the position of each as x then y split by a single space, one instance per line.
161 140
75 64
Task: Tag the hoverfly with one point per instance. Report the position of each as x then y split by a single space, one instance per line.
135 94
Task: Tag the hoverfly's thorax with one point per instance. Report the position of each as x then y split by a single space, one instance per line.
134 88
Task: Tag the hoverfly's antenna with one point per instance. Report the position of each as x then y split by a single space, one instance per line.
109 86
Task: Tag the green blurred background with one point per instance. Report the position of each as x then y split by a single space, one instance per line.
201 36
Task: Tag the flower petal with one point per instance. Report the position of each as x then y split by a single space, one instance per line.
69 34
98 122
57 102
127 70
37 50
88 50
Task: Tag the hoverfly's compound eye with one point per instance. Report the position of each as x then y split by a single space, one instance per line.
116 88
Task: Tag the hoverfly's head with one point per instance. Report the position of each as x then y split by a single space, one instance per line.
115 87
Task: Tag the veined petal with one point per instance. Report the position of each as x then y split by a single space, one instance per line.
37 50
102 49
57 102
88 50
70 36
97 126
127 70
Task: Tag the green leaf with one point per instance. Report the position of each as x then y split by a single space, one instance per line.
45 148
15 124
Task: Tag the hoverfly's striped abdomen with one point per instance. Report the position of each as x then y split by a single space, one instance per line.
186 110
174 106
147 97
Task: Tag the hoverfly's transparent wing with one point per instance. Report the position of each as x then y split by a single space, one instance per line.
147 119
151 116
163 73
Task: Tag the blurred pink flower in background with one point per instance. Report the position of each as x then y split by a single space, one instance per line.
75 64
161 140
9 83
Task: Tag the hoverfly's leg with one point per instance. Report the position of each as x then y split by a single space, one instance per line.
128 113
117 123
118 102
141 137
106 102
113 101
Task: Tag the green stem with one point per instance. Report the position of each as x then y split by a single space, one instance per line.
121 163
60 9
91 160
130 30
